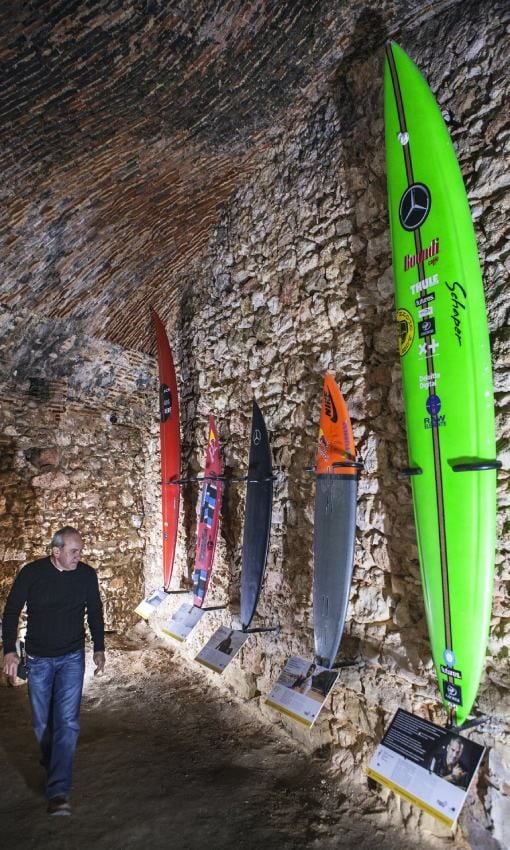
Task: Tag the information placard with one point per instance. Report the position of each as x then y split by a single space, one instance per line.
430 766
150 603
222 648
302 689
183 621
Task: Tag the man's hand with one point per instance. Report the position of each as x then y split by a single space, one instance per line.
99 660
11 661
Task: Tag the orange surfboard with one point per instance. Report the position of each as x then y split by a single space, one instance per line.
337 472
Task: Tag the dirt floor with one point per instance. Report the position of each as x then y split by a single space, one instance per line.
165 760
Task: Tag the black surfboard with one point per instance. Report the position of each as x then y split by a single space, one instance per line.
257 521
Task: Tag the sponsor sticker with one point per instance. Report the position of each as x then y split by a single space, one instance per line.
452 693
427 327
449 671
425 299
449 657
429 381
428 349
414 206
434 422
329 406
424 283
425 312
430 253
433 405
406 331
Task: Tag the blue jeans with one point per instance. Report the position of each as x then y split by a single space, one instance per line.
54 688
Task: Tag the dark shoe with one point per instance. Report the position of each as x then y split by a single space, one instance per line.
59 806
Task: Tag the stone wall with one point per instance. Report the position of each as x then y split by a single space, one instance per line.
298 280
77 443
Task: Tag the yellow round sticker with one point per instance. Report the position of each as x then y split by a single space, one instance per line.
405 331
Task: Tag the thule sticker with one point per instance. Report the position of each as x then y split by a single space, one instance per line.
424 283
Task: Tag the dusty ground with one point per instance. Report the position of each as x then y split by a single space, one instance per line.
167 761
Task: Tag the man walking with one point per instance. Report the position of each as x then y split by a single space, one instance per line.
57 591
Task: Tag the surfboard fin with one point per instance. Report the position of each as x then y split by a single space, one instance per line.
476 466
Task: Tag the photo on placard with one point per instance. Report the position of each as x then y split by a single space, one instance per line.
221 648
454 759
301 689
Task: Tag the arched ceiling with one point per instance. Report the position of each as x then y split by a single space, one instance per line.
127 124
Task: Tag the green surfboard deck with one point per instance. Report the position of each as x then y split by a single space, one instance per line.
447 379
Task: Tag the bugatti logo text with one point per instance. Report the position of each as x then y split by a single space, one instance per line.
414 206
411 260
329 406
456 290
426 283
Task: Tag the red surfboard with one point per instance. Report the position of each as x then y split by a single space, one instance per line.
209 520
170 443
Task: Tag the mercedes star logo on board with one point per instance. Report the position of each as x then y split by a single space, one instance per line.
414 206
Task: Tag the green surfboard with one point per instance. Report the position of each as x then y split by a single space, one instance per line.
447 380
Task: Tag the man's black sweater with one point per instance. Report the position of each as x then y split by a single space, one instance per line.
56 603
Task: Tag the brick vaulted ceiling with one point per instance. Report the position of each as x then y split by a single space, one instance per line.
127 124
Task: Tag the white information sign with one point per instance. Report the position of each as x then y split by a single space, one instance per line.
150 603
302 689
430 766
222 648
183 621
